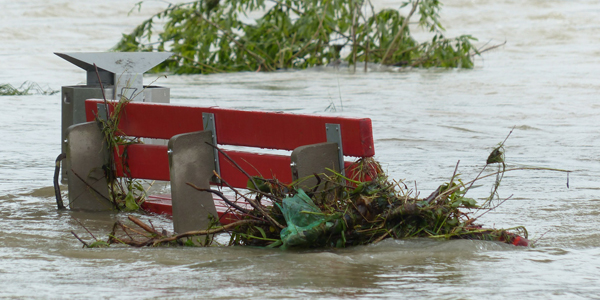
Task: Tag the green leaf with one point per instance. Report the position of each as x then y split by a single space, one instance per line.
275 244
99 244
262 232
261 185
130 203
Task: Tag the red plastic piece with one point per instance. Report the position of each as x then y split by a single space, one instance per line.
520 241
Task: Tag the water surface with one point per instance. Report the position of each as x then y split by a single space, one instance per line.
543 82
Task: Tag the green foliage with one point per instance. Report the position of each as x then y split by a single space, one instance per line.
341 212
99 244
126 193
211 36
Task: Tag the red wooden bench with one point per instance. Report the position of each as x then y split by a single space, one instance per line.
316 141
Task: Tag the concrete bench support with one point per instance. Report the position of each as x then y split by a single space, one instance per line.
86 154
191 160
314 159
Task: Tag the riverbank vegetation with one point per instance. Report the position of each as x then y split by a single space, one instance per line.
214 36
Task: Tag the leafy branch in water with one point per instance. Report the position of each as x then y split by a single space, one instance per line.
211 36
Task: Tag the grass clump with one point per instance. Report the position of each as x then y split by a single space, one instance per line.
26 88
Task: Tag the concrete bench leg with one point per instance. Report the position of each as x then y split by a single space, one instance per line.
191 160
310 159
86 154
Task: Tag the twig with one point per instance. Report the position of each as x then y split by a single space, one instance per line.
508 135
490 209
476 178
125 230
399 34
367 34
92 188
84 243
314 35
235 164
354 25
434 195
318 182
535 242
79 222
254 204
454 174
490 48
143 225
452 190
111 236
207 232
229 202
125 227
102 89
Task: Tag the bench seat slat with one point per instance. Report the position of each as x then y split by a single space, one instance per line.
242 128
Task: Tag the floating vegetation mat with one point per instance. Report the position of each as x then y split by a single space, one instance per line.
341 212
27 88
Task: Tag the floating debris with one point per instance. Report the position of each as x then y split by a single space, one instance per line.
27 88
337 212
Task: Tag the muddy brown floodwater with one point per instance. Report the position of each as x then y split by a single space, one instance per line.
545 81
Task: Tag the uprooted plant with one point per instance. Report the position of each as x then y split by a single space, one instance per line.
125 192
213 36
340 211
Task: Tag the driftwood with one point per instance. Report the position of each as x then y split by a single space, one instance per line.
152 237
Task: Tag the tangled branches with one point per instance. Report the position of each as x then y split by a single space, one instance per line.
337 212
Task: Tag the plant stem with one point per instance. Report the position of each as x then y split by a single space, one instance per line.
399 34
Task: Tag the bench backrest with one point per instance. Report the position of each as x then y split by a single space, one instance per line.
271 130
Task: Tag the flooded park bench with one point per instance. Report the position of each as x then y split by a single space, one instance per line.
316 142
